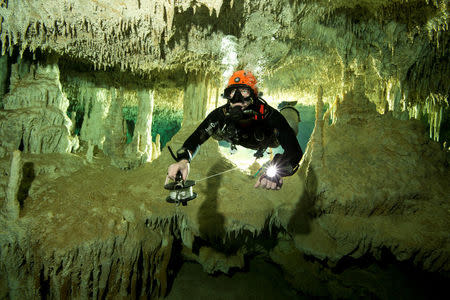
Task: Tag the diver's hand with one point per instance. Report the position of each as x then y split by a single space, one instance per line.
270 183
181 166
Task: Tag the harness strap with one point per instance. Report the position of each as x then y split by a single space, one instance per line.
261 112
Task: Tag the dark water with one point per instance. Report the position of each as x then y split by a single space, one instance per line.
262 281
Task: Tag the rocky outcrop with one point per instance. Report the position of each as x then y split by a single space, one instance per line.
367 184
377 183
61 251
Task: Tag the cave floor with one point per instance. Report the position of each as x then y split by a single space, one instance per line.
63 193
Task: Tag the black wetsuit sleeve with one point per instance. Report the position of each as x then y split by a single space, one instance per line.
288 141
206 128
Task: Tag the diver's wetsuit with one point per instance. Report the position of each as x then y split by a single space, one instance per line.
262 126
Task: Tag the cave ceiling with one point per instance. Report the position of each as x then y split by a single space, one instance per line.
293 46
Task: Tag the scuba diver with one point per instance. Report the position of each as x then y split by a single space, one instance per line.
245 120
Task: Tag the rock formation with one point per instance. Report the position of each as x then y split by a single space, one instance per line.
34 116
92 92
11 206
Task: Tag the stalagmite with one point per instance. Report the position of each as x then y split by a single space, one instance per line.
11 206
96 102
90 152
316 141
73 122
114 134
195 99
156 147
143 130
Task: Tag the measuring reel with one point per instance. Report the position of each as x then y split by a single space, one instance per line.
180 191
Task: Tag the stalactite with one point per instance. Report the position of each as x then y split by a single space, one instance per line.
94 33
434 112
331 112
433 108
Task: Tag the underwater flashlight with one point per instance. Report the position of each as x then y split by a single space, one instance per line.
272 171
